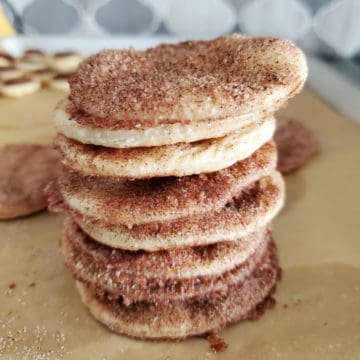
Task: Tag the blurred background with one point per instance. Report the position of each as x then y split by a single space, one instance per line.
330 27
328 30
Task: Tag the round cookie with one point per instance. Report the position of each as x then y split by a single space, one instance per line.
185 262
65 62
24 172
5 59
29 64
190 81
10 72
168 160
60 82
252 210
43 75
296 144
161 275
76 125
131 202
179 319
20 87
34 55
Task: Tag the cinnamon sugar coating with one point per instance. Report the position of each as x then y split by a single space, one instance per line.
256 207
180 159
169 182
162 199
139 275
178 318
193 80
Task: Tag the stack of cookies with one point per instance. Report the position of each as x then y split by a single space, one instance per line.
169 182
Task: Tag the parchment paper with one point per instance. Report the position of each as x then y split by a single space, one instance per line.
318 300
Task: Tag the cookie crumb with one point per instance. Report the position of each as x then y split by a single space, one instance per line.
217 344
12 285
32 284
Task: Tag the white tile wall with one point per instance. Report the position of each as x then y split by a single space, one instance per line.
316 24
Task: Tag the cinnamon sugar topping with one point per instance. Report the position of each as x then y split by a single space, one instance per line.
216 342
171 257
192 80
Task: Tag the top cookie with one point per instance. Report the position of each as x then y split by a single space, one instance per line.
186 82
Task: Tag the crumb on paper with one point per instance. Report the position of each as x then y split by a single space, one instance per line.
32 284
12 285
217 344
298 301
30 342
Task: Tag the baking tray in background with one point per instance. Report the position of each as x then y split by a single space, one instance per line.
317 314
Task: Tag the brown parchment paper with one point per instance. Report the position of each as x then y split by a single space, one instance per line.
318 301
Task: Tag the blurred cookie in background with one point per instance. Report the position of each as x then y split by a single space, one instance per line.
65 62
6 59
43 75
19 87
34 55
296 144
60 82
34 69
24 172
10 72
29 64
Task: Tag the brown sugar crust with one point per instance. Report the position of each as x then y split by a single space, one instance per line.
162 199
296 144
178 318
193 80
163 263
140 275
256 206
111 123
24 172
159 291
